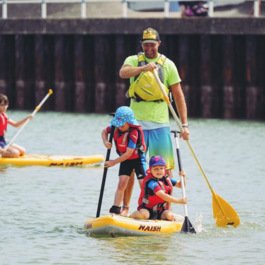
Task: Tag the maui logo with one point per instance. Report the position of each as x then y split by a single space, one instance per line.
149 228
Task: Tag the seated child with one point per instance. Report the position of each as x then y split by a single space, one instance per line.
156 193
13 150
129 141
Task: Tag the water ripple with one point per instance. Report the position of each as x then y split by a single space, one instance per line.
43 210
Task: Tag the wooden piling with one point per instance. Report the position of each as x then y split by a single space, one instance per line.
205 80
20 71
121 86
183 66
79 75
40 88
222 75
59 76
228 73
3 57
252 90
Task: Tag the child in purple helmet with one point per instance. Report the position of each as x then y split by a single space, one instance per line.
129 141
156 192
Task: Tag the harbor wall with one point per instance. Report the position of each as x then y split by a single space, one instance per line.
221 62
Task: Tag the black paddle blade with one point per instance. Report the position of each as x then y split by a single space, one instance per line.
187 226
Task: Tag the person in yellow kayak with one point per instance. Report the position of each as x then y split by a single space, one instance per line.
13 150
129 141
156 193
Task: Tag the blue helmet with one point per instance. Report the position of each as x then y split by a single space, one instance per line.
157 161
122 115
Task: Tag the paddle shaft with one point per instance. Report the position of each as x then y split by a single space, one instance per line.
176 136
176 118
104 174
27 121
218 201
187 227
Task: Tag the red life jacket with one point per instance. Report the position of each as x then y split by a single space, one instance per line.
122 138
148 198
3 123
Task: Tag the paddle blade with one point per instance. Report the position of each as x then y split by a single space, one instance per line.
224 214
187 226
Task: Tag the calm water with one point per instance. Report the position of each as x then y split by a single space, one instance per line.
43 209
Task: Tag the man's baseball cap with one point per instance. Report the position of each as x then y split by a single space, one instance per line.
150 35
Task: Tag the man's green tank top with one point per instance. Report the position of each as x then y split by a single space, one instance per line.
154 111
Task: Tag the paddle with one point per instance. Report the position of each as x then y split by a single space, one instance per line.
104 173
187 226
27 121
224 214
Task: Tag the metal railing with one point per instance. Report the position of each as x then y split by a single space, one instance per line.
256 6
125 3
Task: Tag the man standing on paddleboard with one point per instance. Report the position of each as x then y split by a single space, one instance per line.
147 102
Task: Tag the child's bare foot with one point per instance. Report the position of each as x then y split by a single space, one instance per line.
125 211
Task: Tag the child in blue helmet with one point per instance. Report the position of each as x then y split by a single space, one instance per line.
129 141
156 192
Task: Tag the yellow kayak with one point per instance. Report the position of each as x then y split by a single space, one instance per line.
52 160
116 225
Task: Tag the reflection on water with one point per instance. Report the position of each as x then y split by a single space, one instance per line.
153 249
43 210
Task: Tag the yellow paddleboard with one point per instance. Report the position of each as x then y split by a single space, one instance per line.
116 225
52 160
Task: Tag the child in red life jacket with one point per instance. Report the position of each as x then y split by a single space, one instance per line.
156 193
13 150
129 141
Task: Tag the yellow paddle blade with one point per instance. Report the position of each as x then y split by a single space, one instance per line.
224 214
